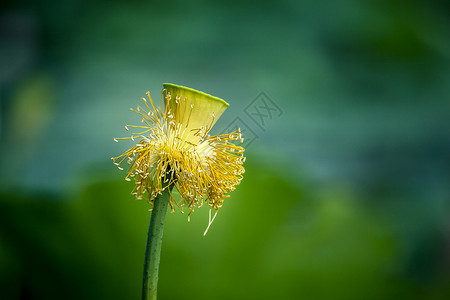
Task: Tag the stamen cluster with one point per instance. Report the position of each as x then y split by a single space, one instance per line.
169 152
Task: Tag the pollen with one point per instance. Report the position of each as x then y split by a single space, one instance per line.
174 148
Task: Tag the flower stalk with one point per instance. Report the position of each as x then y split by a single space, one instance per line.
154 242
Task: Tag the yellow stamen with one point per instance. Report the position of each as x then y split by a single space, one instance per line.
175 149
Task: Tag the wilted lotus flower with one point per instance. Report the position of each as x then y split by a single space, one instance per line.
174 149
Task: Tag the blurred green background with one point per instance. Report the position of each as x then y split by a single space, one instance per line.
346 194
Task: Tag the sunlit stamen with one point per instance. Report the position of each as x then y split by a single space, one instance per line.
202 167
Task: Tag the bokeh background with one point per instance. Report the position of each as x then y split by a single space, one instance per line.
346 193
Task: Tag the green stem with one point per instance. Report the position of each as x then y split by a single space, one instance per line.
154 241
